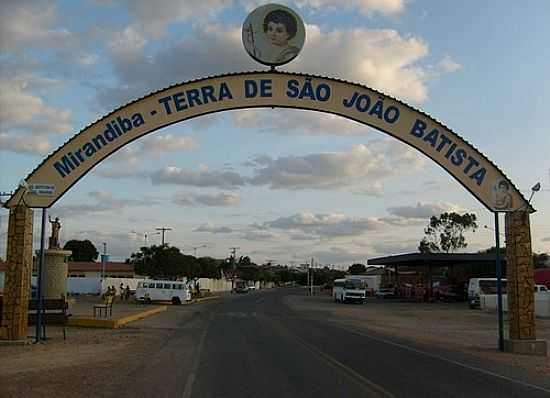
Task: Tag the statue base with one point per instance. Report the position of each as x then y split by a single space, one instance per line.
55 273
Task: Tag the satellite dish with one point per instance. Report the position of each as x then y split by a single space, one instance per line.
536 187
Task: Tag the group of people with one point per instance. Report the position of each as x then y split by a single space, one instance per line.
124 292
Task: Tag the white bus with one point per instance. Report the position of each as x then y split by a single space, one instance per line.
349 290
153 290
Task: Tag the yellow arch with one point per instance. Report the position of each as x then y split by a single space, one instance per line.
70 162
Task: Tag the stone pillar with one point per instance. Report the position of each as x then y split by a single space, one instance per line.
521 283
18 274
55 273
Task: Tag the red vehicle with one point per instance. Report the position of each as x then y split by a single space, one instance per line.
542 277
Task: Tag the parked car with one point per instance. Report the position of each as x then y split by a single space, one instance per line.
385 292
541 289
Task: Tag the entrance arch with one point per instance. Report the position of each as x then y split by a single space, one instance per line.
52 178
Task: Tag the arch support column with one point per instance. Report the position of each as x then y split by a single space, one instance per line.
17 282
520 287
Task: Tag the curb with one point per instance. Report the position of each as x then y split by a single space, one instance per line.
203 299
114 323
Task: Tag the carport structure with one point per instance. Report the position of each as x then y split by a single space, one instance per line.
427 262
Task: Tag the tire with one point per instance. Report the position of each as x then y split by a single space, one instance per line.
176 301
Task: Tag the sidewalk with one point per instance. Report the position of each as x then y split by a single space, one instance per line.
81 309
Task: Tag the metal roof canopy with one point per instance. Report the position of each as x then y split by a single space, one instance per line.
435 259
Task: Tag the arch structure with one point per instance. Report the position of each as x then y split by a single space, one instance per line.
270 89
69 163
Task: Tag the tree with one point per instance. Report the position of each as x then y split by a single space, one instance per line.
357 269
540 260
446 232
83 250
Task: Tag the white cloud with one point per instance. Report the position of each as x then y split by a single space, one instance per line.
201 178
423 210
260 235
168 143
103 201
30 24
34 145
21 109
123 163
209 227
219 200
382 58
361 168
326 225
448 65
365 7
292 121
155 17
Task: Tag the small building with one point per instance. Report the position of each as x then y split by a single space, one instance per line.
424 272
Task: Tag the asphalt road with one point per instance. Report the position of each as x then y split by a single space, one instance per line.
253 345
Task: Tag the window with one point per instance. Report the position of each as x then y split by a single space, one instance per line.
159 286
167 285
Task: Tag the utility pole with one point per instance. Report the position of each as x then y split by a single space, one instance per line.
311 278
234 265
103 263
163 230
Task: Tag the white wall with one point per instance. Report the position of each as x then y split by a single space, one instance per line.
542 303
91 285
215 285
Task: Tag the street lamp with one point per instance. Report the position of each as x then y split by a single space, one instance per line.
198 247
534 189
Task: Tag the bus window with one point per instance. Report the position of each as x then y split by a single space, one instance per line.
178 286
167 285
159 286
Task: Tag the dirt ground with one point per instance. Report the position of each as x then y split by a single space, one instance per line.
447 325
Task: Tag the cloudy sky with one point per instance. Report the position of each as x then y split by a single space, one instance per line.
282 185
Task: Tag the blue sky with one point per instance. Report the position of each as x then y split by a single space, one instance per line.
479 67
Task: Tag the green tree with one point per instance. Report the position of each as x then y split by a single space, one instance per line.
83 250
446 232
357 269
540 260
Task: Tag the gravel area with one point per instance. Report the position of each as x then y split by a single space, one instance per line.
448 325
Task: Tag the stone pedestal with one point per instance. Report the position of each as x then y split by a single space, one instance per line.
18 274
520 287
55 273
529 347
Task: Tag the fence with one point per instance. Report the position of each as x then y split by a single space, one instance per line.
542 303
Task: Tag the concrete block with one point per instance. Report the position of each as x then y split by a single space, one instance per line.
536 347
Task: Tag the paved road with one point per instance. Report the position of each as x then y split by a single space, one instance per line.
254 346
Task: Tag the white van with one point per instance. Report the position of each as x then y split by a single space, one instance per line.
478 286
349 290
155 290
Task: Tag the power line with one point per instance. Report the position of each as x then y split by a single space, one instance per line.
163 230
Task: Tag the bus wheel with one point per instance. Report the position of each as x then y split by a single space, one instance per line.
176 301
